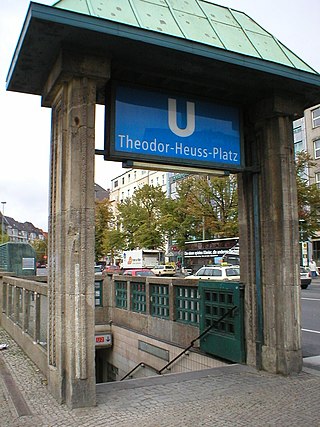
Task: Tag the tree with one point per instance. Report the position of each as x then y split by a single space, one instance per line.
41 248
308 197
103 221
209 206
144 218
4 238
113 242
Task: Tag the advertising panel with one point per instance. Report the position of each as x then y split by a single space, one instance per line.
151 126
132 259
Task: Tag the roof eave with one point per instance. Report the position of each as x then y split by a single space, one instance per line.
71 19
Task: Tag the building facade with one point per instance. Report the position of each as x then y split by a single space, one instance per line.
125 185
24 232
306 132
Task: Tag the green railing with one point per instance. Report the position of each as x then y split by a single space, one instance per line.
227 339
138 297
159 301
121 294
154 299
187 305
98 292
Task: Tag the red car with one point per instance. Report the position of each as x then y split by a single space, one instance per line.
112 269
135 272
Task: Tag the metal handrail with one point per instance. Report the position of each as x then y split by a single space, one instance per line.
196 339
142 364
159 372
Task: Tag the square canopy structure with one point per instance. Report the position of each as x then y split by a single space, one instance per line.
193 46
70 54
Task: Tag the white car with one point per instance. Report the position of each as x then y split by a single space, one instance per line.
97 271
164 270
305 277
217 272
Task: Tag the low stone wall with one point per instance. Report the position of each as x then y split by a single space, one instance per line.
24 316
170 329
152 333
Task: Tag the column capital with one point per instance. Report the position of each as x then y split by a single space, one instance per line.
70 64
276 105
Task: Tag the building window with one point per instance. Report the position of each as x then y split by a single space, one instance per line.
163 181
317 179
297 134
115 184
128 177
298 147
135 175
316 117
316 145
122 180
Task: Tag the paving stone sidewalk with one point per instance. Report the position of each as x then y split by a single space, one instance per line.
235 395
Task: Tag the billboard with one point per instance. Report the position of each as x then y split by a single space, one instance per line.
152 126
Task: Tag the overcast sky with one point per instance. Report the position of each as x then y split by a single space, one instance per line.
25 125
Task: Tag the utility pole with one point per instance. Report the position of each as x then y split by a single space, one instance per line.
2 229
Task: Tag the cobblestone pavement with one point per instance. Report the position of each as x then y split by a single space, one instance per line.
235 395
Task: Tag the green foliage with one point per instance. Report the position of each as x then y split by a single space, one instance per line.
103 222
208 207
308 197
144 218
3 238
113 242
41 248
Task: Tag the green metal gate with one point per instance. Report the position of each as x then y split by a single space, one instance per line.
226 338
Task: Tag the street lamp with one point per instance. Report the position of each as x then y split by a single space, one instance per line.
2 229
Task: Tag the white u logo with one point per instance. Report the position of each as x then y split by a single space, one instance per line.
172 118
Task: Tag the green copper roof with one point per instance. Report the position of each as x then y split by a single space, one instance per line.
194 20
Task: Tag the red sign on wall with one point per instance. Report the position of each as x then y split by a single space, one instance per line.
103 340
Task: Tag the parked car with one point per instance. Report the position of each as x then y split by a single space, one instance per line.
97 271
217 272
164 270
305 277
113 269
141 272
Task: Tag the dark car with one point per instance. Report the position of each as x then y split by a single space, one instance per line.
305 277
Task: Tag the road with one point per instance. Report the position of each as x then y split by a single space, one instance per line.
310 309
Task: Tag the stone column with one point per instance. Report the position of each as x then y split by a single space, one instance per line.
71 91
269 238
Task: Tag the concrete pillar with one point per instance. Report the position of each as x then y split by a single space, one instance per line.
269 239
71 91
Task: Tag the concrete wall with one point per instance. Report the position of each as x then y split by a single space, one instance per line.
126 354
137 337
165 329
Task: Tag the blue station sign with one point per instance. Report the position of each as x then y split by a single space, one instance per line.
151 126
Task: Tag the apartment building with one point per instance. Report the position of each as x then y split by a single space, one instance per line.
24 232
306 132
125 185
